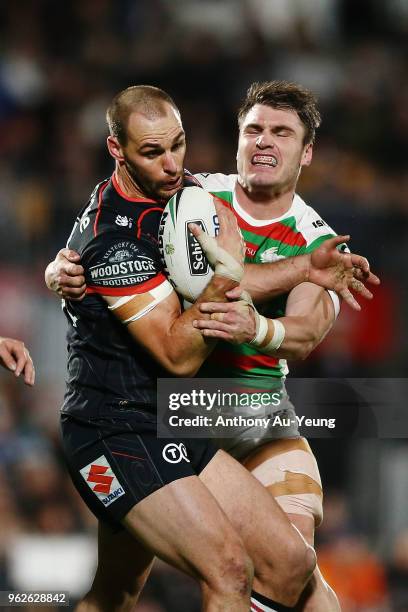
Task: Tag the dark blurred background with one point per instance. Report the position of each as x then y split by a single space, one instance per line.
60 64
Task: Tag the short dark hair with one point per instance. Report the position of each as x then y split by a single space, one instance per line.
144 99
286 96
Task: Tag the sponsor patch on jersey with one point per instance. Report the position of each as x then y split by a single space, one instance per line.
271 255
122 265
102 480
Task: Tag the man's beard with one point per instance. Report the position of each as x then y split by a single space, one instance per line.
146 188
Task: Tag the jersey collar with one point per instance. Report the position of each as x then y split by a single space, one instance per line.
126 197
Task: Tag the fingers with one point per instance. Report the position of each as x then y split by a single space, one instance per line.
6 357
195 229
221 307
25 365
75 295
349 298
215 307
226 217
74 280
211 324
213 329
66 277
71 288
362 271
336 241
74 270
235 293
360 288
361 263
66 263
29 372
15 357
68 254
373 279
216 333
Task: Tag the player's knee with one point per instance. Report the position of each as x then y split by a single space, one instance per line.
301 561
240 573
291 573
233 573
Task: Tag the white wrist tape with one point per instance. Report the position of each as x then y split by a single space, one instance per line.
277 338
262 328
261 322
261 331
223 263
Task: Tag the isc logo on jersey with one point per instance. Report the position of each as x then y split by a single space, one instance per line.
183 259
101 479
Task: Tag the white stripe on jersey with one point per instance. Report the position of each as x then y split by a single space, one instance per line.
158 294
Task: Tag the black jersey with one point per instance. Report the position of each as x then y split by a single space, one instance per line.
116 237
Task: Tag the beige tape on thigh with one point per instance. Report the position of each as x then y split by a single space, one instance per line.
293 479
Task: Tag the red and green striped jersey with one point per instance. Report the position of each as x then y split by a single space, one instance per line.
300 230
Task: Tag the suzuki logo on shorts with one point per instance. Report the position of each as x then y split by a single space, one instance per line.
174 453
102 480
97 474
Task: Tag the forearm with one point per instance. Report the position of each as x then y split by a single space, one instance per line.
186 348
266 281
301 337
309 316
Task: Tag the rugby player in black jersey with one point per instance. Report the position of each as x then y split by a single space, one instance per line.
125 333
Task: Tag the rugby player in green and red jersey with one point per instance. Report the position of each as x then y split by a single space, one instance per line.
277 123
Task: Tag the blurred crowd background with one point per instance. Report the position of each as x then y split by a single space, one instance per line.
60 64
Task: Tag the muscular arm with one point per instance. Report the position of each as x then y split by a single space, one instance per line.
308 317
326 267
266 281
163 330
169 336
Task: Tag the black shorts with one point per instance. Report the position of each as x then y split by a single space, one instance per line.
117 460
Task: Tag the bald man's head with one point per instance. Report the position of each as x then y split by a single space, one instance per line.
145 99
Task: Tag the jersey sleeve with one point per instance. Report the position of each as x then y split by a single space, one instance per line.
115 266
316 231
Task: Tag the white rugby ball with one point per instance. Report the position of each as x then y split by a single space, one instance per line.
185 263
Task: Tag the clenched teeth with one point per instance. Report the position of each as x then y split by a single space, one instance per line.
265 160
